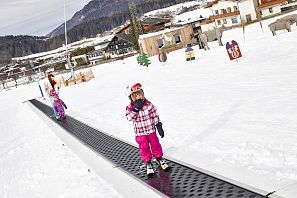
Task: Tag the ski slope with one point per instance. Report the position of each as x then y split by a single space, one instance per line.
235 119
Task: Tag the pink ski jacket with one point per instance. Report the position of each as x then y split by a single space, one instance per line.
145 120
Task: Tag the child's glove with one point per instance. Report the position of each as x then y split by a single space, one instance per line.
160 129
65 107
137 105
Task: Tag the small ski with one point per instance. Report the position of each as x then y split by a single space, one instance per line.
150 169
162 163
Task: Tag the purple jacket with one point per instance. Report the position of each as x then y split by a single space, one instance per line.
59 107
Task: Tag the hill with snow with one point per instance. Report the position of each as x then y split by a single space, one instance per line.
234 119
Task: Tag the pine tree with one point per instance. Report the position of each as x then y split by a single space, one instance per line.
134 37
142 59
145 59
136 26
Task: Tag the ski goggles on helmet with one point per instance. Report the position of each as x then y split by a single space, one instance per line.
136 87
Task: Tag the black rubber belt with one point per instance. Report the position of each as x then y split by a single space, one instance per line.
181 181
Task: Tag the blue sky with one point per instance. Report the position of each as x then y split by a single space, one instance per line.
35 17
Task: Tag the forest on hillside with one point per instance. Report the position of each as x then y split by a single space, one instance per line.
18 46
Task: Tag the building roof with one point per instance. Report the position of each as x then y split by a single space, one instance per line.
189 21
154 21
143 36
270 3
124 36
225 15
95 52
210 4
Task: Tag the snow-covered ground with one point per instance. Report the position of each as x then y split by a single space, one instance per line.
194 15
235 119
175 8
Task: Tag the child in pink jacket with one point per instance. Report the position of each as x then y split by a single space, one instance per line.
58 105
145 120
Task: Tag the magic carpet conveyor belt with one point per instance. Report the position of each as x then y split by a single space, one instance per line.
181 181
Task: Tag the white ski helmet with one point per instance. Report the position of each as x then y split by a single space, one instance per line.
132 89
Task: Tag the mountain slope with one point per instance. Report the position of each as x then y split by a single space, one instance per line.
93 10
96 9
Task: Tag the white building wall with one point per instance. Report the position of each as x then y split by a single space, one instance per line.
210 26
275 10
223 5
227 22
246 7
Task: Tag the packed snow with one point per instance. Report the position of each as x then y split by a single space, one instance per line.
236 119
175 8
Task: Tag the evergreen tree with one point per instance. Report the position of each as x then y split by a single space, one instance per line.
134 37
17 46
142 59
136 26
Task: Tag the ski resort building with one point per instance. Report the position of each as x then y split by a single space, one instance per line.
168 40
120 44
230 13
96 56
270 7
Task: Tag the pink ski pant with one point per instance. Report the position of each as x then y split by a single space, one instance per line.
149 146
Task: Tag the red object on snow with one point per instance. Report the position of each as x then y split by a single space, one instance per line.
233 50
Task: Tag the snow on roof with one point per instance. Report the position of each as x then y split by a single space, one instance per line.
190 20
41 54
192 16
101 46
92 41
174 7
58 51
158 33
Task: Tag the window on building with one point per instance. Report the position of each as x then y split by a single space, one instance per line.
235 8
228 9
223 11
160 43
234 20
219 22
216 12
248 17
261 13
225 21
177 39
270 10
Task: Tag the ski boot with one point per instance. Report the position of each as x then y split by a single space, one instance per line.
149 169
161 162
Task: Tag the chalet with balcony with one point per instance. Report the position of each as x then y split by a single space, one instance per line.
233 12
230 13
120 44
269 7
